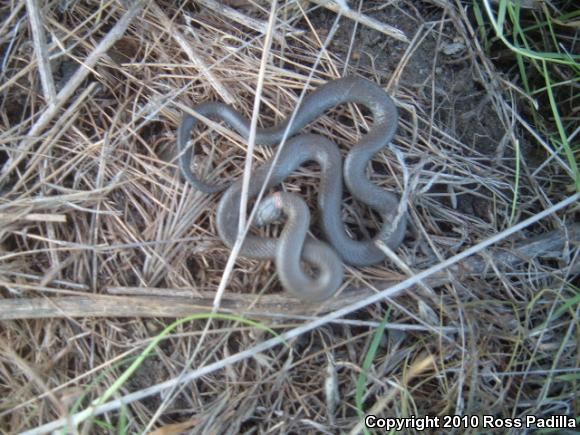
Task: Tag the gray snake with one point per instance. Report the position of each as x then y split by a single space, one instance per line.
294 247
308 147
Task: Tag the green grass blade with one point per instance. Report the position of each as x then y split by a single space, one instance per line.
501 16
566 59
560 127
369 358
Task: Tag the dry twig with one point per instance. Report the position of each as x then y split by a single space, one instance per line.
41 51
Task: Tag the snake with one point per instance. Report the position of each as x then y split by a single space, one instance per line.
384 203
303 148
294 248
298 151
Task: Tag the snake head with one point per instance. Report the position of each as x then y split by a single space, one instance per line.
269 210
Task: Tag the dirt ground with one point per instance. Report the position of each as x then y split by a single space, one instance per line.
103 244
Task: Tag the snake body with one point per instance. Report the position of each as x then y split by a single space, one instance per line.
301 149
294 247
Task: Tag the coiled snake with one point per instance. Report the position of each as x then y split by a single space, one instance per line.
297 151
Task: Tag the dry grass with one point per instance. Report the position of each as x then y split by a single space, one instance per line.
99 232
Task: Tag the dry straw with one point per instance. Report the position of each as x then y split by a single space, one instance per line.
101 239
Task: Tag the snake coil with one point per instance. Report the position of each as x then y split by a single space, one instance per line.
297 151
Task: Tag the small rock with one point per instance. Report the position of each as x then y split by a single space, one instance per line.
453 48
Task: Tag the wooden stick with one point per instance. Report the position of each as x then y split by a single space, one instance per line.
34 217
157 302
150 306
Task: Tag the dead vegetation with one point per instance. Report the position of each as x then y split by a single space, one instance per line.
101 240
